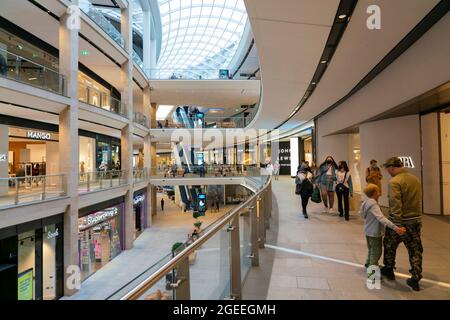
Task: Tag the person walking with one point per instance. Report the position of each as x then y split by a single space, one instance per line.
373 174
344 189
326 180
304 187
276 169
405 210
374 226
162 204
269 168
217 204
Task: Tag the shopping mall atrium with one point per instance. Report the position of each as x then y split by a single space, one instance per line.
224 150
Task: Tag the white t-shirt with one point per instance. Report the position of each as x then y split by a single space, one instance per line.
330 171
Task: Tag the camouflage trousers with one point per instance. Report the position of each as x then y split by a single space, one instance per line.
413 244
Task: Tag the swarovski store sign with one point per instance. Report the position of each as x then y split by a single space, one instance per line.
98 217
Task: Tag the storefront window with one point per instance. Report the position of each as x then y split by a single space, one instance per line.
140 211
50 236
115 157
100 239
103 156
87 155
26 266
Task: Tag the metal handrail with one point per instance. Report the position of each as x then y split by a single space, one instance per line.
31 61
32 177
169 266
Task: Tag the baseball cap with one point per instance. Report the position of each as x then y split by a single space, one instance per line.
393 162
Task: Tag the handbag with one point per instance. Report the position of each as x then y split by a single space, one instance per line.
316 197
298 188
340 187
351 204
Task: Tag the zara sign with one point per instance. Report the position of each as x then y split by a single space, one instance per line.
407 162
3 157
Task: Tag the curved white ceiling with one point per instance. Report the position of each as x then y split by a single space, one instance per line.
290 36
202 35
360 49
291 40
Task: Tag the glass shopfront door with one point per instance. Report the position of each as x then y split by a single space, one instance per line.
100 239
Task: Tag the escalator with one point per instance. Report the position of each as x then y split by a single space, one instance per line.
181 116
185 197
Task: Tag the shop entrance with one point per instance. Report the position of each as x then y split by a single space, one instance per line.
445 161
32 153
100 238
31 260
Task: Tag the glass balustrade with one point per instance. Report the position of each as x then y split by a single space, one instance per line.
137 59
101 180
21 69
197 171
207 122
187 74
96 16
140 175
141 119
101 99
212 265
22 190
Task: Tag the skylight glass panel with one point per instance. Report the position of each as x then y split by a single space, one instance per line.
199 34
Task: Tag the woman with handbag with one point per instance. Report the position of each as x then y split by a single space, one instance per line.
304 187
344 189
326 180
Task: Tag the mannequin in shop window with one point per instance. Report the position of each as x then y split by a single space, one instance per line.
82 170
103 166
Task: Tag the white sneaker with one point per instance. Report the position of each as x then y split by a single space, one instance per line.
331 210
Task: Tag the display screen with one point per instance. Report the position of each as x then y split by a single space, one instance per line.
25 285
201 203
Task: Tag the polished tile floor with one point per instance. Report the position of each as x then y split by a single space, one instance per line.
322 257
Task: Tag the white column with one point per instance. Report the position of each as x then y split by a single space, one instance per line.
4 159
127 131
146 39
68 142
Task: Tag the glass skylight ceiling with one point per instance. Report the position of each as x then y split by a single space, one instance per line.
199 35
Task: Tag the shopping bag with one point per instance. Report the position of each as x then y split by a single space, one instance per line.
351 201
316 195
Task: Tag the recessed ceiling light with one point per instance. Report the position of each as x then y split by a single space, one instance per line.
342 16
313 83
323 61
31 79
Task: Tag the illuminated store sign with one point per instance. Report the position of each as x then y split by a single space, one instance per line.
138 199
38 135
294 156
3 158
407 162
51 235
98 217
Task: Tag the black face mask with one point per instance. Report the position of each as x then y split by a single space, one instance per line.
329 161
